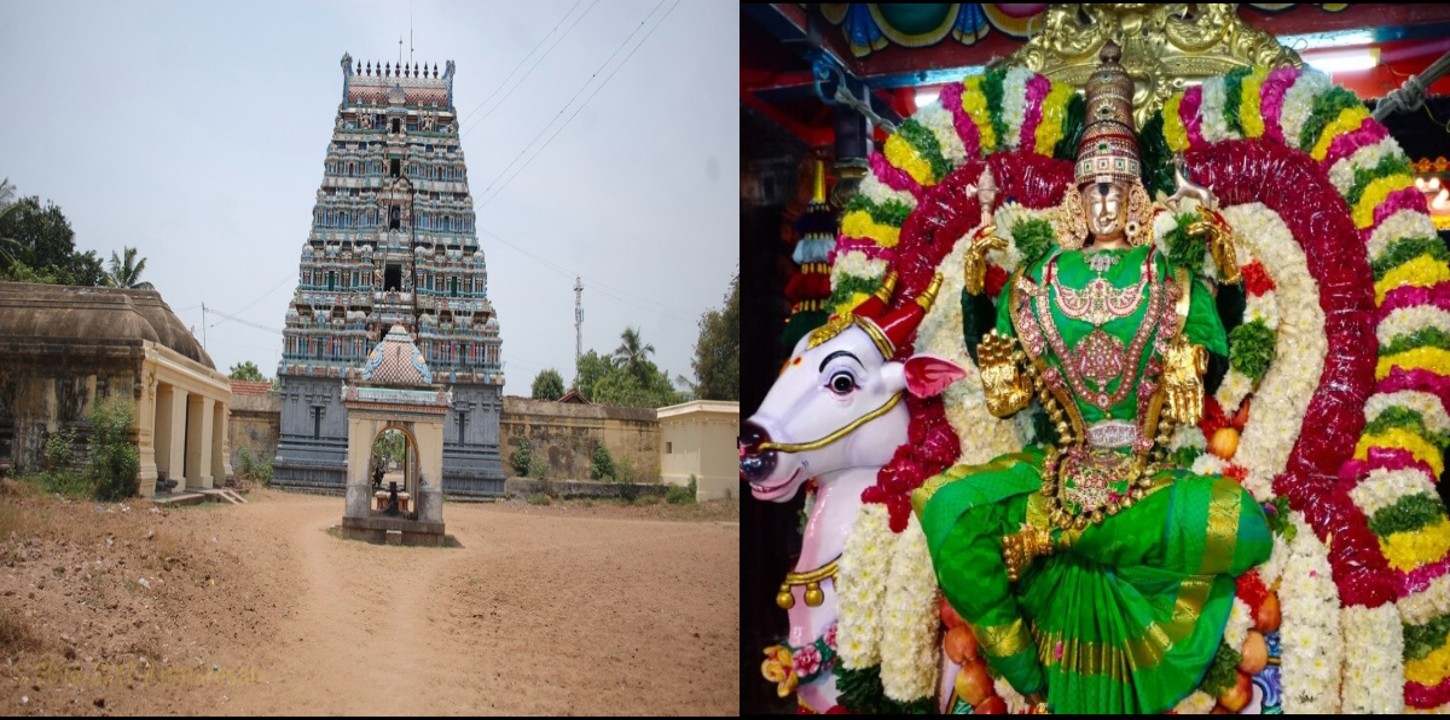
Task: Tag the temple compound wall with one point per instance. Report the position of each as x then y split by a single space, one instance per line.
256 422
62 348
392 243
564 435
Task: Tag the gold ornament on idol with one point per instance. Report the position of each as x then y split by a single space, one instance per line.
785 599
1007 388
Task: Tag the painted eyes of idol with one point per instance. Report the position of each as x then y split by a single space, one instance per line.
842 383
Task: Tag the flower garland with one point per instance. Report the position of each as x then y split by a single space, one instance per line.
861 588
1371 680
1312 646
911 654
1391 536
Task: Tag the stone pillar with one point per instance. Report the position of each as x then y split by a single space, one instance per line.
176 451
219 456
205 436
161 430
430 501
195 443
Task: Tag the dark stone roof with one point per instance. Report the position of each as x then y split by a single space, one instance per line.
115 315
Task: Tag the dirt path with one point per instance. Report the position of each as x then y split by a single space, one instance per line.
542 610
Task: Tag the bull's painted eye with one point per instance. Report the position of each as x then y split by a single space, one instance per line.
842 383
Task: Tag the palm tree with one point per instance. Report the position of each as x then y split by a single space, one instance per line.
7 206
630 353
127 273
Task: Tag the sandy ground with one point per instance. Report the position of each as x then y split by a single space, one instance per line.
259 609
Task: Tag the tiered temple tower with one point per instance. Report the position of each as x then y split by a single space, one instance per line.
392 242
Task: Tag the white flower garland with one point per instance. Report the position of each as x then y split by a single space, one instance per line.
910 645
1367 157
1299 103
1383 488
1016 704
1374 680
861 588
879 192
1014 106
939 121
1208 464
1240 622
1424 606
1284 393
855 264
1264 308
1232 390
1005 218
1310 642
1215 123
1406 320
982 435
1273 568
1197 703
1402 224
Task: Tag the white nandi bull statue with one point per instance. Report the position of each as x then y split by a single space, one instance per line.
835 414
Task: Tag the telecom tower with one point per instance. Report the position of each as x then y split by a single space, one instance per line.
578 318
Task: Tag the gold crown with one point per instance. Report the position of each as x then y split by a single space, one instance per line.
1108 150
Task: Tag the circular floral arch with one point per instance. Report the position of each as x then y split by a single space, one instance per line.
1359 477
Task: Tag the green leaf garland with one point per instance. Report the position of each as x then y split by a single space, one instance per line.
1251 349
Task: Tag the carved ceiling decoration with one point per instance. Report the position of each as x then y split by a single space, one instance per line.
1165 47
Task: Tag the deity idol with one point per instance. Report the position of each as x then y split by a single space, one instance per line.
1097 576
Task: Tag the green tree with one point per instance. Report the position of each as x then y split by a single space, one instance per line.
717 351
650 388
125 272
246 371
588 369
632 352
390 446
44 244
548 385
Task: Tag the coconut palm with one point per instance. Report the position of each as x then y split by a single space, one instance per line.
8 245
631 354
126 273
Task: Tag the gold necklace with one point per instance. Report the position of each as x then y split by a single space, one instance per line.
1099 302
812 580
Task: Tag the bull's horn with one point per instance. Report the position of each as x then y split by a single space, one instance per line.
873 306
900 325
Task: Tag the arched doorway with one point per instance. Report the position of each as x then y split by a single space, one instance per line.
394 459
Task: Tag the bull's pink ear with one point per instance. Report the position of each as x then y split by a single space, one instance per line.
927 375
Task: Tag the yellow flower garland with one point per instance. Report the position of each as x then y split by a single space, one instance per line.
1423 271
1406 551
901 154
1251 115
1374 194
975 103
1432 669
1421 358
1349 120
1402 439
1174 131
858 223
850 304
1054 109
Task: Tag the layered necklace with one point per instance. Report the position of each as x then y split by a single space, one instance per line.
1100 357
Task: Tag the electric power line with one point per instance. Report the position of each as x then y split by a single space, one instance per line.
530 71
545 128
603 289
522 60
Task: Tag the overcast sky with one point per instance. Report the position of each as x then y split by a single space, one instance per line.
196 132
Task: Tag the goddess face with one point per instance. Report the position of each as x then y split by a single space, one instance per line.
1107 210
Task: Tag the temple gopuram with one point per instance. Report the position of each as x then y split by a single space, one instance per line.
392 243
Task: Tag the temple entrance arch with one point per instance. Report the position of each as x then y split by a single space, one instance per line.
395 394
